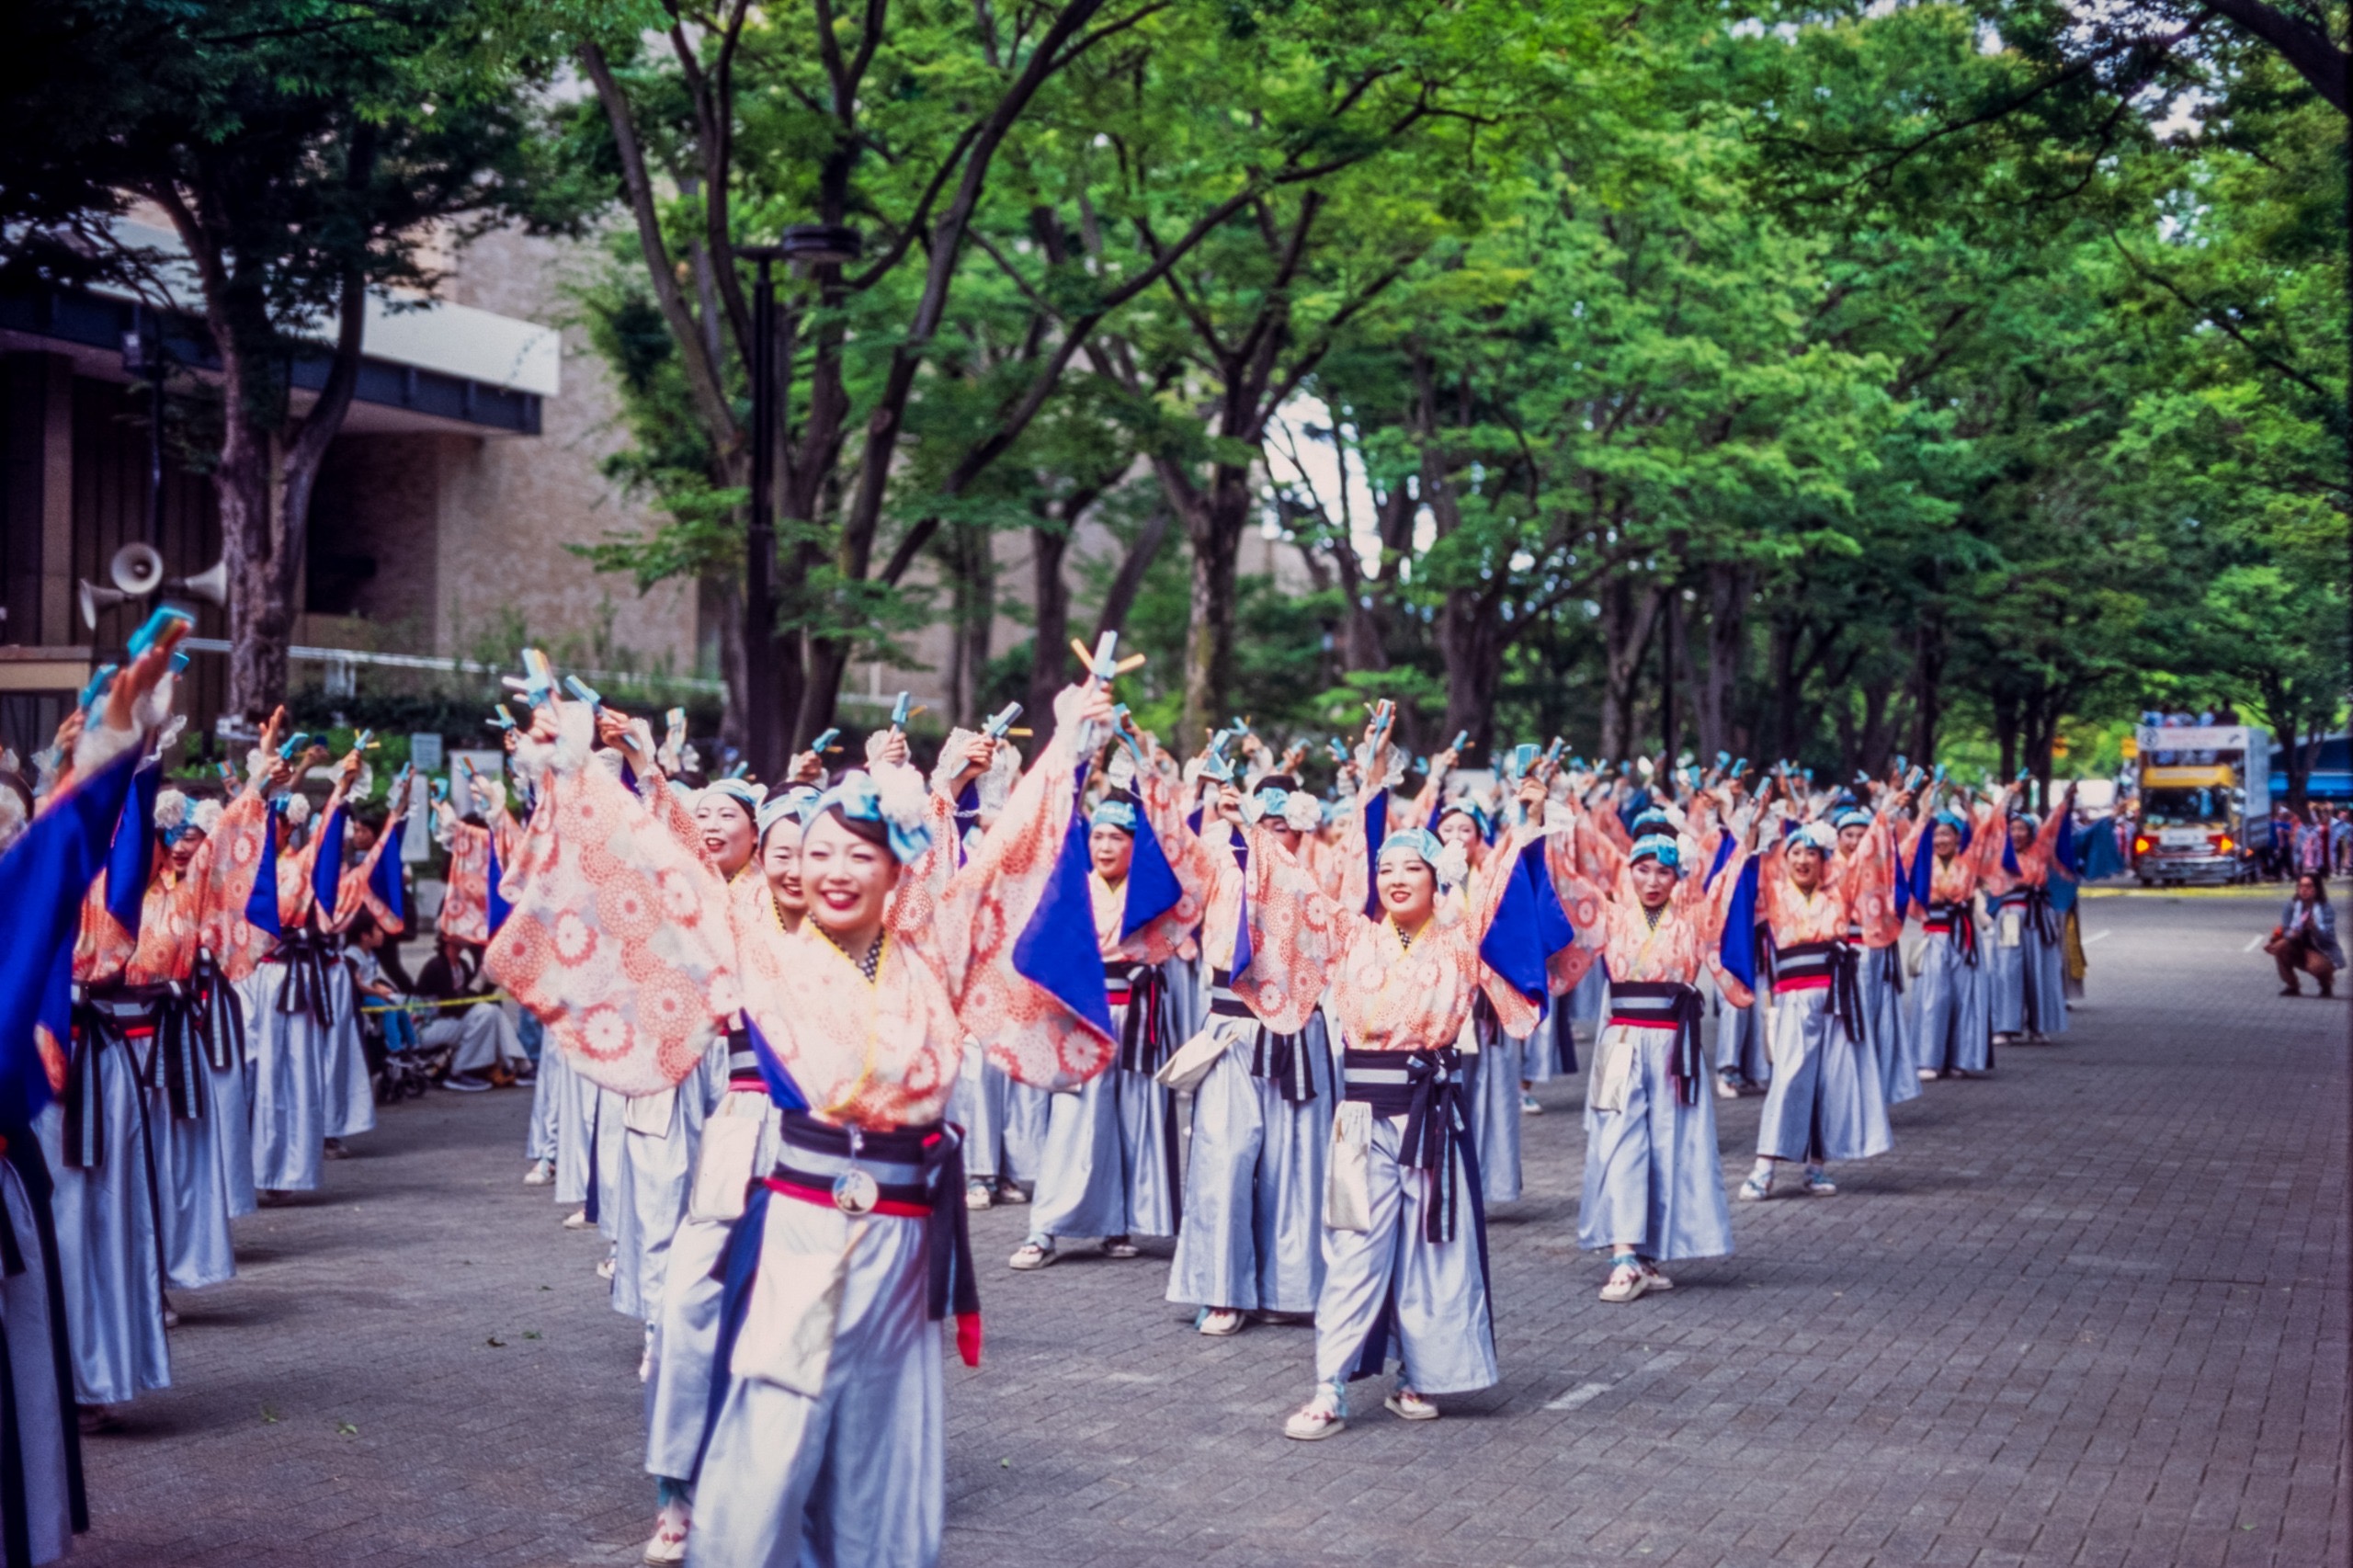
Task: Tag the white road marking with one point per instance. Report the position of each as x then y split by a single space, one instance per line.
2254 942
2096 936
1581 1394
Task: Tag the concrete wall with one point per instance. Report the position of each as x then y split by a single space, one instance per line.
467 531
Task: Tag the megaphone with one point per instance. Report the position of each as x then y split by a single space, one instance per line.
95 597
136 570
211 585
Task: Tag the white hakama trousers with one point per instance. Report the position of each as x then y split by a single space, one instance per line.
350 1089
1945 1008
291 1051
1496 1073
1004 1122
195 1194
34 1344
1251 1238
1827 1102
1109 1166
2046 975
659 1135
854 1472
109 1254
1740 1039
1886 1024
686 1330
550 1087
1653 1179
1389 1286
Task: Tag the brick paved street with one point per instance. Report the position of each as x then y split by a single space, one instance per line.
2092 1311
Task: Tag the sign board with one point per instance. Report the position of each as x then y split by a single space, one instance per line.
425 753
417 835
2194 737
488 763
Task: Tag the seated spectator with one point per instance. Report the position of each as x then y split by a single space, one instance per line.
488 1054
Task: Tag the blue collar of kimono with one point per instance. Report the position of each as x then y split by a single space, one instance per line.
1656 847
860 801
1420 840
797 804
1114 813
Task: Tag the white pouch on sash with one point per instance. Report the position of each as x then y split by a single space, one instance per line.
649 1115
2012 928
726 1165
1613 1067
1347 1189
1191 1061
1918 961
796 1307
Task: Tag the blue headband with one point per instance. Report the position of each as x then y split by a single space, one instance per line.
797 804
1114 813
1420 840
860 800
1853 816
1953 820
747 795
1656 847
1652 821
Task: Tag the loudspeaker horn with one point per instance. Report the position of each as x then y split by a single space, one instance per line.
136 570
95 597
211 585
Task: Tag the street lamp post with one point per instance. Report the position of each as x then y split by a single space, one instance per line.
767 734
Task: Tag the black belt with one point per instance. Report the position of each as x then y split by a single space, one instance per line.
1224 1001
742 1061
220 1015
936 1152
166 1017
1961 927
1425 1087
1666 1005
1143 990
306 955
1835 964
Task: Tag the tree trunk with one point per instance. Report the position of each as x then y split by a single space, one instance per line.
261 623
1626 615
2005 729
1216 534
974 560
1728 590
1471 641
1121 596
1049 658
1669 645
1927 689
1781 660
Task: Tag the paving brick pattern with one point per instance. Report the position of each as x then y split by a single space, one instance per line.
2091 1310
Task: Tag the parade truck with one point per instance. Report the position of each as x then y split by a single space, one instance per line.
2203 812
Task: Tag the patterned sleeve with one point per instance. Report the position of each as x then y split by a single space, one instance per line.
1868 884
1298 936
465 904
1162 799
974 925
620 941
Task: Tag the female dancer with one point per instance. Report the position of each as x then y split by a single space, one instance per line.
826 1436
1654 1186
1947 1007
1397 1254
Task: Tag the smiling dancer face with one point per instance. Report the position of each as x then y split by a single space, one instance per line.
726 825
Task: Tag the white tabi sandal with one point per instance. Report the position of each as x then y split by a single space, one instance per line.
1627 1281
1032 1254
1407 1405
1319 1417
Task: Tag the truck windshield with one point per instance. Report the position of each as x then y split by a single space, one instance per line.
2178 808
